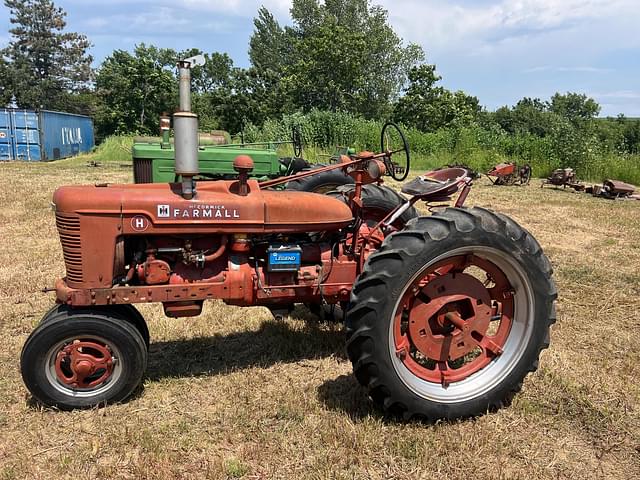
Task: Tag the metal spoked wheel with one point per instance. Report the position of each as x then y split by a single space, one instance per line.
457 317
450 315
84 357
83 367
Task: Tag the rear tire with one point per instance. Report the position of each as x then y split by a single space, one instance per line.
321 182
80 358
377 202
391 348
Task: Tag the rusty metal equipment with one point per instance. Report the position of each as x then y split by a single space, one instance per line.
613 189
510 174
445 314
473 174
563 177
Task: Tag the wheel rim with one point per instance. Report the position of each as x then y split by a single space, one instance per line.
83 366
454 337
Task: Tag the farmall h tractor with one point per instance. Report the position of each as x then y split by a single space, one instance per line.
445 314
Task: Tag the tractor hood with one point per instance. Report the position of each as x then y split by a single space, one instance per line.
217 208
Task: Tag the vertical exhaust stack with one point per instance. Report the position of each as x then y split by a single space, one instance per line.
185 126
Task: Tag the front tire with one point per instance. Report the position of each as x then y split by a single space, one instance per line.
80 358
450 315
124 311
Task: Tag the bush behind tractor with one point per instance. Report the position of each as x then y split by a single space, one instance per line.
445 314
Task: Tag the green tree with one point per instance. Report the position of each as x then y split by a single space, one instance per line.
269 45
211 86
529 115
428 107
45 66
6 80
632 136
135 89
574 107
242 103
337 55
216 73
270 50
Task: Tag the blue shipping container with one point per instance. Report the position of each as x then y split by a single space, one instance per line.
43 134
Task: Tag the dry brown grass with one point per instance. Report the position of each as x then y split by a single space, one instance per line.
234 393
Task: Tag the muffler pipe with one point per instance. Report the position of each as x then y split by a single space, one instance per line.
185 127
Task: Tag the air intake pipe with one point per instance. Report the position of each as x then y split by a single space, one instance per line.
185 127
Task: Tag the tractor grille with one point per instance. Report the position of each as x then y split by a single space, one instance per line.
142 170
69 231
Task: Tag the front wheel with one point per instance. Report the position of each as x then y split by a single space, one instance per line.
81 358
450 315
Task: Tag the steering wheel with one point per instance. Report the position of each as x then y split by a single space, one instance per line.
393 142
296 140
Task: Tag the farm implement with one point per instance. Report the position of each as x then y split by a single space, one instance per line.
563 177
445 314
611 189
510 174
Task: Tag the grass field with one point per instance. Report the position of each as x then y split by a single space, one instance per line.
234 393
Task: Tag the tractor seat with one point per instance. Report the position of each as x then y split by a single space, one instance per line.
437 185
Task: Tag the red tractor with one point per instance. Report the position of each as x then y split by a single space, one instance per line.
445 314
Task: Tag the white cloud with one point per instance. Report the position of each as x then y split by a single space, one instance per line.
476 26
441 23
241 8
499 50
154 22
97 22
619 94
578 69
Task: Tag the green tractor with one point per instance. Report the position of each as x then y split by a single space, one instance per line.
154 161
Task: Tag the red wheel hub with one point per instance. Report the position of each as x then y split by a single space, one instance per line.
84 364
450 324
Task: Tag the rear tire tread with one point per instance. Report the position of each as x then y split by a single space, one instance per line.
422 234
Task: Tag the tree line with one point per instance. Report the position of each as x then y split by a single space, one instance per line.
335 56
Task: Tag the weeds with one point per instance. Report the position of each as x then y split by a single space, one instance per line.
234 393
475 146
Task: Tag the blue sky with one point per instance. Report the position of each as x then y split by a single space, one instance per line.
499 51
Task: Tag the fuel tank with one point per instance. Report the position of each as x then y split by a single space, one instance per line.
217 208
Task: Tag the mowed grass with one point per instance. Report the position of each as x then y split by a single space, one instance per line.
235 394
